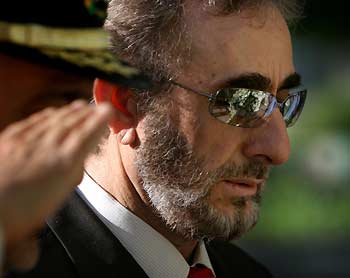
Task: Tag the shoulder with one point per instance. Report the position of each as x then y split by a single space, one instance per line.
228 259
53 261
76 243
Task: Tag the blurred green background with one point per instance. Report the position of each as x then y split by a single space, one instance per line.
304 229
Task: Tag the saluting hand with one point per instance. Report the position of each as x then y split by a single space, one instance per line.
42 160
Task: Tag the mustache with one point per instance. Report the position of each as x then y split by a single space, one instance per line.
250 169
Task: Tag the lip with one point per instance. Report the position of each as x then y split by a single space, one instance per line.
243 187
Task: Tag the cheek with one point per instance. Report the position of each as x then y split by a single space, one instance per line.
16 93
211 140
218 146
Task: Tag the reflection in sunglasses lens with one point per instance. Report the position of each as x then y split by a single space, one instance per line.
240 107
293 107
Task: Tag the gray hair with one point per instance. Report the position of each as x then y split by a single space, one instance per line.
151 35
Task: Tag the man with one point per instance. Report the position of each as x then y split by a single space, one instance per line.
183 171
46 60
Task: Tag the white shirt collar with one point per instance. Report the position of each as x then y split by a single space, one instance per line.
157 256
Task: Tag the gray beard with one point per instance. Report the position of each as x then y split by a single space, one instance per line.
178 187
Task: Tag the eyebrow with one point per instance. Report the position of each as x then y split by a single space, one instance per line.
257 81
291 81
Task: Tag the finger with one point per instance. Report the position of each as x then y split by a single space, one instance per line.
36 120
19 128
76 146
61 126
56 121
84 139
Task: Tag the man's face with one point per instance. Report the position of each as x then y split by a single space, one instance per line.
202 176
26 88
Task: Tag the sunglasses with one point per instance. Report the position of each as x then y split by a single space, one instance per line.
251 108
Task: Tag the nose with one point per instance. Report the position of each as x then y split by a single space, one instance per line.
269 142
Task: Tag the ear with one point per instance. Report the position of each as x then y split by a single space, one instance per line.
121 99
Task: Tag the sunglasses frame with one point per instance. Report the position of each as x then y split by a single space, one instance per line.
300 91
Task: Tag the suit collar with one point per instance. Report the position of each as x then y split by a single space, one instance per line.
92 248
141 240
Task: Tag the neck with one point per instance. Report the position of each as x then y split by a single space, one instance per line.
114 175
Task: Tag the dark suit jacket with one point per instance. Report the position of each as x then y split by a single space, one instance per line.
77 244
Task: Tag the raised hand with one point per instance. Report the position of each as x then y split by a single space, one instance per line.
41 162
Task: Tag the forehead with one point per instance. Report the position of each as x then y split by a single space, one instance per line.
227 46
34 77
26 87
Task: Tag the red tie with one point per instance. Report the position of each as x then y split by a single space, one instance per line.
200 271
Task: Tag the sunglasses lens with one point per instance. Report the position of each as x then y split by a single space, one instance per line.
240 107
292 108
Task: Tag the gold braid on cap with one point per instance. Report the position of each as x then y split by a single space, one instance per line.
83 47
99 59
